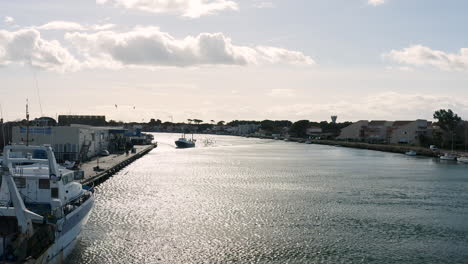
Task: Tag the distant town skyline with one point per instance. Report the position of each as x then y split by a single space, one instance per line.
234 59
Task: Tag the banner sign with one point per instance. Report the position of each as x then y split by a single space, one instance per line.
37 130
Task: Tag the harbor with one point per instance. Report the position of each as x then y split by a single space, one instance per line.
100 169
249 200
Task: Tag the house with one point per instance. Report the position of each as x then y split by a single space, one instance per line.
314 131
393 132
355 131
377 131
410 132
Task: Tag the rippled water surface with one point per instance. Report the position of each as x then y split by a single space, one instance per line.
262 201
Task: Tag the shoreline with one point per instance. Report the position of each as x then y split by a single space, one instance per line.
401 149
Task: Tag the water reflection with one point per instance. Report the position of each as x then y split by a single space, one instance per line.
262 201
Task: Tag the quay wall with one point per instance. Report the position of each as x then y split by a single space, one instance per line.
104 174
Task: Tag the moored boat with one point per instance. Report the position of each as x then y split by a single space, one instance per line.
463 159
42 208
411 153
448 156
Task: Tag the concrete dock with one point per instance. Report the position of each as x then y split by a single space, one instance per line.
111 164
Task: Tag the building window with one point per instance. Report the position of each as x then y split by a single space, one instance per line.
44 184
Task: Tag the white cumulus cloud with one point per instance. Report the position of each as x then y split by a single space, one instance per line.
26 47
419 55
186 8
72 26
149 47
376 2
8 20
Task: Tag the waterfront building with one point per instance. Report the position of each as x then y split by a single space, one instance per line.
246 129
314 131
378 131
72 143
410 132
393 132
355 131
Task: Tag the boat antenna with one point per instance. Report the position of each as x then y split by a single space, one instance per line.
27 122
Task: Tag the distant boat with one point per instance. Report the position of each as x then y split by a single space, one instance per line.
463 159
448 156
183 142
411 153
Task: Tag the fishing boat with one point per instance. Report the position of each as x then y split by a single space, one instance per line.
463 159
183 142
411 153
42 207
448 156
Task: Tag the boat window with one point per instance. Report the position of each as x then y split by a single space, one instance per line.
20 182
54 193
44 184
67 178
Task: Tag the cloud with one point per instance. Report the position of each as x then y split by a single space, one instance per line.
387 105
8 20
282 93
264 4
149 47
186 8
376 2
419 55
26 47
72 26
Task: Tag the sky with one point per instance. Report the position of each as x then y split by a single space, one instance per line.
133 60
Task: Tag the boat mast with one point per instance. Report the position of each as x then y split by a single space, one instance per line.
27 123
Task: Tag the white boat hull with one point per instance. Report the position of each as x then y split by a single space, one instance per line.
67 238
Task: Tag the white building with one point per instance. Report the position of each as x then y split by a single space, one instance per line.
410 132
314 131
245 129
75 142
354 131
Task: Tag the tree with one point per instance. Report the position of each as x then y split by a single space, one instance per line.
197 121
447 120
154 122
189 121
299 128
221 123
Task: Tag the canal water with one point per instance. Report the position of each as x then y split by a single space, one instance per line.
240 200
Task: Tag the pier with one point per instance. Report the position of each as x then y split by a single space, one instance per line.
109 165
